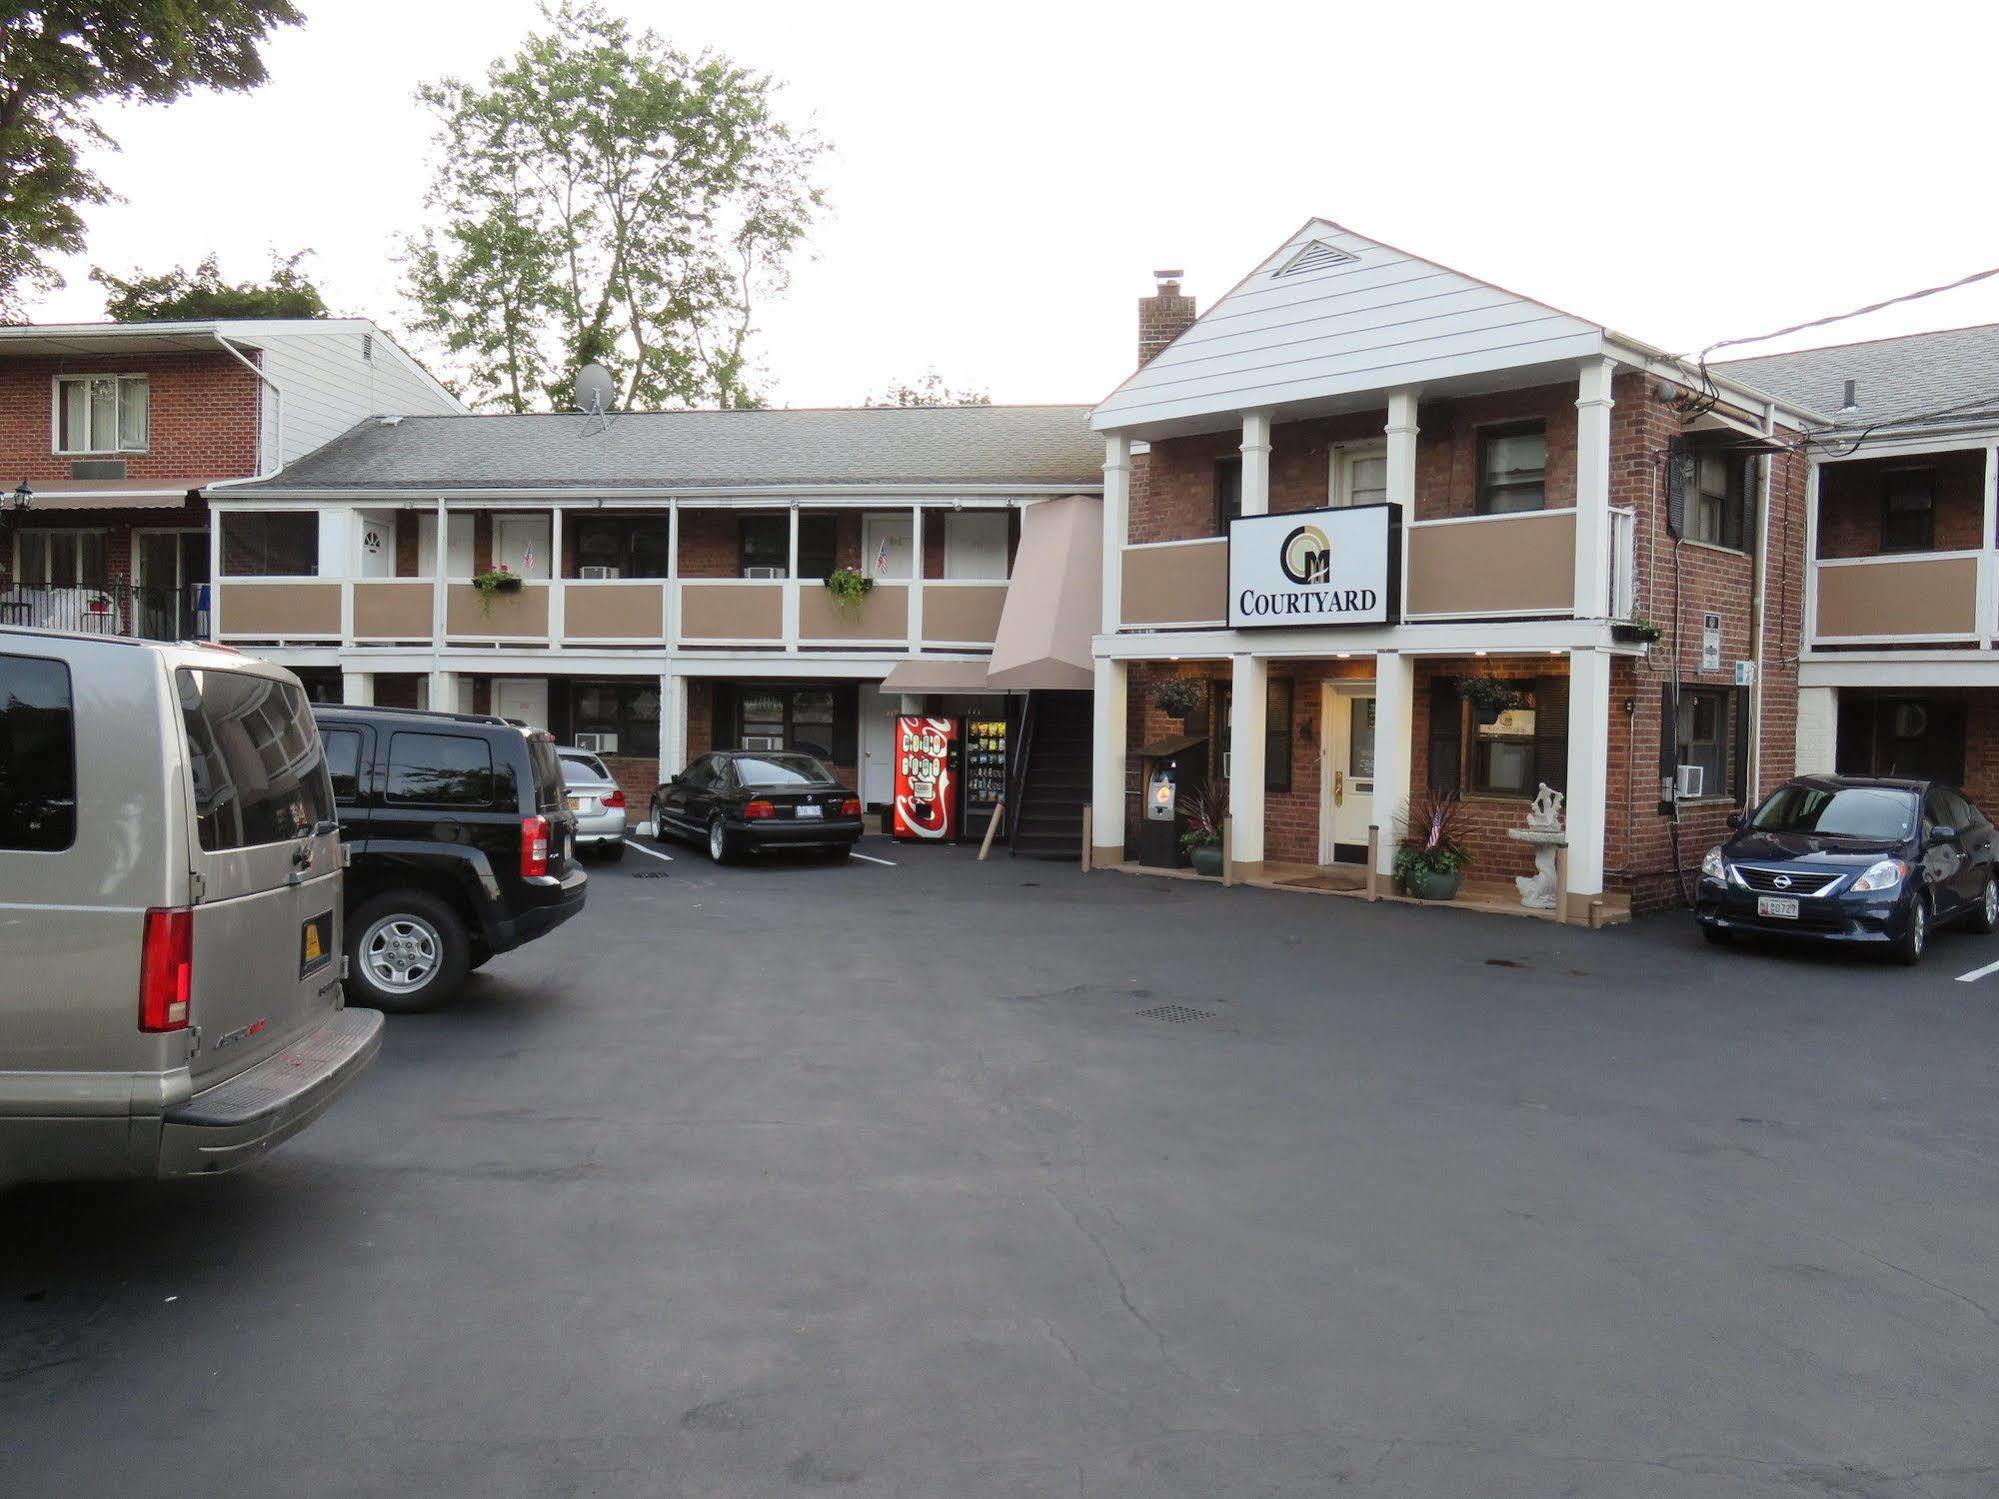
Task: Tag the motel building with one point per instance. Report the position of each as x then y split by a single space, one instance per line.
1361 481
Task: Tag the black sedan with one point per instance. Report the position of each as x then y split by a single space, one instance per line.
740 801
1851 860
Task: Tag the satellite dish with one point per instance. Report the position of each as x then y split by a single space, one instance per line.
594 389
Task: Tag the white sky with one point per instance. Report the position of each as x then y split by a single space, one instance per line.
1007 177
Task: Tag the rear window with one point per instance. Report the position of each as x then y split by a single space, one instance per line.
441 770
254 754
577 769
343 762
37 755
547 769
781 770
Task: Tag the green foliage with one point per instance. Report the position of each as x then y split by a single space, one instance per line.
202 293
1432 835
604 196
849 589
495 580
59 58
1489 695
1180 697
1205 810
930 390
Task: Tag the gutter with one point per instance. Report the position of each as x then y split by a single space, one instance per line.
597 494
278 436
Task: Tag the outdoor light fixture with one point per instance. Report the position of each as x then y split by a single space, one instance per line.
22 496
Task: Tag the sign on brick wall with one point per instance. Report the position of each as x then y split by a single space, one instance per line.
1339 566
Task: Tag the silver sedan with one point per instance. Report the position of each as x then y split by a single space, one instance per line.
597 801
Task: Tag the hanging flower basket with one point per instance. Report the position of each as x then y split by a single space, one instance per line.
1489 696
1181 697
495 580
850 590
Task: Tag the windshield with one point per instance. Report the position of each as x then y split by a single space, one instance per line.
580 770
1876 813
781 770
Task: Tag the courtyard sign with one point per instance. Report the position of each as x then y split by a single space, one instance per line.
1316 567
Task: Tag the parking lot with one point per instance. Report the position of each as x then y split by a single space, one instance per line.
929 1177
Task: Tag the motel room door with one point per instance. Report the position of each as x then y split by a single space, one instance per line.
1346 772
524 698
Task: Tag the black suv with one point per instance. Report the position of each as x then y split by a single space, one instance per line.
461 841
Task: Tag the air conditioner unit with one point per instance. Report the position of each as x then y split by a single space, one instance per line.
1692 782
598 744
762 742
596 572
765 573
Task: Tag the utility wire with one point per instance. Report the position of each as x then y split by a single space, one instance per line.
1841 317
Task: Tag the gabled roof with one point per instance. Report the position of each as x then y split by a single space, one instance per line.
997 447
1330 314
1944 379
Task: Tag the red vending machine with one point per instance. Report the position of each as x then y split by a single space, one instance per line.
927 771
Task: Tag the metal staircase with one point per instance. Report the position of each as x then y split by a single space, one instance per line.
1051 776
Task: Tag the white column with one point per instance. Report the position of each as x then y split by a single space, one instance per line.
671 624
557 600
1249 707
1818 731
1401 431
1394 727
1589 771
1988 561
672 724
1809 631
443 692
357 688
1255 465
1117 527
215 520
437 572
791 586
916 578
1593 403
1107 763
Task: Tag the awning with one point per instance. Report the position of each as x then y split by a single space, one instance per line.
111 494
939 676
1173 744
1055 599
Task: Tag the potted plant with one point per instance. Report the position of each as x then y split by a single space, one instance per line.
1205 810
1489 696
494 580
1430 862
98 603
850 590
1636 631
1181 697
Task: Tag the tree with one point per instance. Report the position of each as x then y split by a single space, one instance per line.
202 293
57 59
606 197
930 390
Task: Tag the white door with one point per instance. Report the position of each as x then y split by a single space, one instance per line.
1360 474
886 546
525 698
521 542
975 544
378 544
1346 774
457 546
877 713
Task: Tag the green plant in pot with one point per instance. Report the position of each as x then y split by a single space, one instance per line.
495 580
1181 697
850 590
1430 862
1638 630
1488 696
1205 810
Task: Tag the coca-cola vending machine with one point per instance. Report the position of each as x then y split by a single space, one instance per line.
927 771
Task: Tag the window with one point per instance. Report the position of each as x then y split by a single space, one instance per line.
579 769
1228 492
818 545
258 768
1718 499
1360 476
343 763
1502 750
1908 510
1875 813
1922 738
1276 732
628 709
441 770
37 756
1700 735
102 414
636 548
781 770
269 543
766 542
61 559
1512 468
1508 752
819 721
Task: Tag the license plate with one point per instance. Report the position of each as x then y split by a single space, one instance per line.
806 809
1784 907
581 804
315 943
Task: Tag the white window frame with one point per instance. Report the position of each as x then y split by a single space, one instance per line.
1339 474
57 382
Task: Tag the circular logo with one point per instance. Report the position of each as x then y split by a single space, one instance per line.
1306 556
1782 882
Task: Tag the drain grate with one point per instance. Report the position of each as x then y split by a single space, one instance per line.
647 874
1175 1014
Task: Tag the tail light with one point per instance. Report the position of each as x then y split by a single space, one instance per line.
758 809
534 846
615 799
166 970
850 808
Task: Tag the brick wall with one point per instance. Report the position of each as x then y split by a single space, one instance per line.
710 545
1850 502
1162 317
204 413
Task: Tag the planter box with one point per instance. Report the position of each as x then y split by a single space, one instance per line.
1207 859
1424 885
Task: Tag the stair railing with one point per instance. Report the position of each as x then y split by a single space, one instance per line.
1016 781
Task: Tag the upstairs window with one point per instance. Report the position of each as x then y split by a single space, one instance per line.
1718 499
766 544
269 543
1513 468
102 413
1909 510
627 548
1228 492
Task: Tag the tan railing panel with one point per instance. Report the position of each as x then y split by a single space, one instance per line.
503 616
1502 564
962 614
614 611
1920 596
392 611
1176 585
732 611
882 615
281 608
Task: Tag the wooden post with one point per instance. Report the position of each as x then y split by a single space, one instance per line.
1089 816
992 827
1373 859
1228 851
1562 885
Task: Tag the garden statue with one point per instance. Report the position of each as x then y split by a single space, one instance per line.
1545 831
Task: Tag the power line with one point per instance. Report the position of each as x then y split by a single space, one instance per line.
1840 317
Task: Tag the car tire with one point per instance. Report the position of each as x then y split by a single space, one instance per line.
1915 933
659 832
1717 936
721 846
410 952
1985 915
613 852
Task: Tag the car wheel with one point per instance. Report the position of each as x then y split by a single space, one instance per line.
1915 933
1717 936
613 852
1985 915
411 952
721 847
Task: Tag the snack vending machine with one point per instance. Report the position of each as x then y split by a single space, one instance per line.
984 778
927 774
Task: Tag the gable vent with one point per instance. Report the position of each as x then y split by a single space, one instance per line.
1315 257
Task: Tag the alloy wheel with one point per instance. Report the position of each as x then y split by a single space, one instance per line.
1990 901
1918 927
717 841
402 953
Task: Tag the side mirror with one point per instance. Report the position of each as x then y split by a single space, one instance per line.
1942 832
1737 820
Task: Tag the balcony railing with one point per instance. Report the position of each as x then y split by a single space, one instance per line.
1927 598
109 609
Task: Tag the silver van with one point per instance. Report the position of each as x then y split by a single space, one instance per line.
170 963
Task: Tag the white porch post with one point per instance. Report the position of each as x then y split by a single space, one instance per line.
1402 431
1117 529
1107 759
670 624
357 688
444 692
1818 731
916 578
1255 466
790 605
1589 775
1249 707
1394 725
1592 596
438 568
557 600
1988 563
672 724
215 522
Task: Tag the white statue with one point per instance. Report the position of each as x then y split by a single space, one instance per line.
1545 831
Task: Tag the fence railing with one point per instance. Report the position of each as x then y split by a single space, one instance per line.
108 609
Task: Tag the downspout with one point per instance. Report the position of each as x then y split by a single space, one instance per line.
1752 781
278 425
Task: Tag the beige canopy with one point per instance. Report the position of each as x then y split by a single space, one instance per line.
111 494
938 676
1055 599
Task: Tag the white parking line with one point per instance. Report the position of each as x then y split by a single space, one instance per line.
1977 973
652 853
873 860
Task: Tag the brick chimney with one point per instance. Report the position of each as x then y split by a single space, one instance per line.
1163 316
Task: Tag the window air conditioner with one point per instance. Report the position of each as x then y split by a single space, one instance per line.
596 572
1692 782
762 742
598 744
763 572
